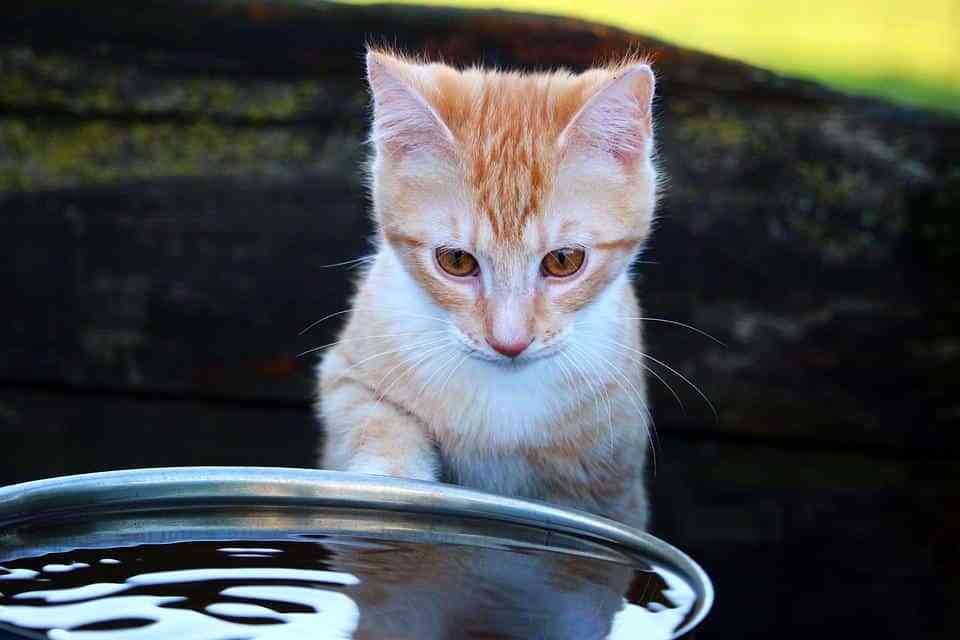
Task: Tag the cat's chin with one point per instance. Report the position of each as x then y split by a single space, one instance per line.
514 364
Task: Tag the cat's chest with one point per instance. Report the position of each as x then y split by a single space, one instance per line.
503 473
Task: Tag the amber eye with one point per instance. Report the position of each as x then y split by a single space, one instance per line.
457 263
562 263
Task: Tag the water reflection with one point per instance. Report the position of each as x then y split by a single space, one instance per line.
339 588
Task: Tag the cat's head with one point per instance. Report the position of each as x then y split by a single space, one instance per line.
513 201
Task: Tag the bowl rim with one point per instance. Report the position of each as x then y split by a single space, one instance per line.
139 489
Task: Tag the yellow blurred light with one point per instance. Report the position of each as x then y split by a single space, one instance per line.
908 51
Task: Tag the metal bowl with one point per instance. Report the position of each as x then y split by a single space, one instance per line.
123 508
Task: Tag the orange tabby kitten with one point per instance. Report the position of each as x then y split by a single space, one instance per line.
493 340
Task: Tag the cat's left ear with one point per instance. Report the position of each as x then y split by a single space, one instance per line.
404 122
617 119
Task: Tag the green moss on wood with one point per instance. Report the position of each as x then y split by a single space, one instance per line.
42 80
37 154
723 131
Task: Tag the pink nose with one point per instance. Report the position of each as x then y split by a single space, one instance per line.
511 348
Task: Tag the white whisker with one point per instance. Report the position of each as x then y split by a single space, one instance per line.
568 375
402 349
382 309
612 368
673 371
433 375
382 336
417 360
345 263
679 324
638 363
635 395
565 371
409 370
651 371
600 391
324 319
450 375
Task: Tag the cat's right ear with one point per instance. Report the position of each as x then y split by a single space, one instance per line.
617 119
404 123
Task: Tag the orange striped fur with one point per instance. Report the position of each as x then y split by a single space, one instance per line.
508 379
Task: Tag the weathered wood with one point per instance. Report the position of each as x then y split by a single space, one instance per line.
88 86
802 543
174 176
45 434
186 285
44 152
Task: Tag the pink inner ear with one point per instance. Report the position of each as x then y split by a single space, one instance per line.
403 121
617 119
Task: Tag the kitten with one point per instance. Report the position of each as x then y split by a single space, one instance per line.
494 339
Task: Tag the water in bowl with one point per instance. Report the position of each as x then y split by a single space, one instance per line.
336 587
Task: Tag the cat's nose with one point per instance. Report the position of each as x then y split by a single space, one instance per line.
510 348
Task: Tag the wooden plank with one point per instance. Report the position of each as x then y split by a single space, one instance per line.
46 434
90 86
803 542
42 152
178 285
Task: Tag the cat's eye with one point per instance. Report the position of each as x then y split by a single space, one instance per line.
563 263
457 263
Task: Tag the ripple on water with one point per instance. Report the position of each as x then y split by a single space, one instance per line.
64 568
17 574
333 589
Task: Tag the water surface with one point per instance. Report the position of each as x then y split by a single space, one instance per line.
329 587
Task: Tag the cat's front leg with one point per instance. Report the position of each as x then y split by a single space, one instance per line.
369 434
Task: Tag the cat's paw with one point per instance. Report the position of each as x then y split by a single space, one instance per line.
411 469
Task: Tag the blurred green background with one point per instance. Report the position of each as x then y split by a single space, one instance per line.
904 51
